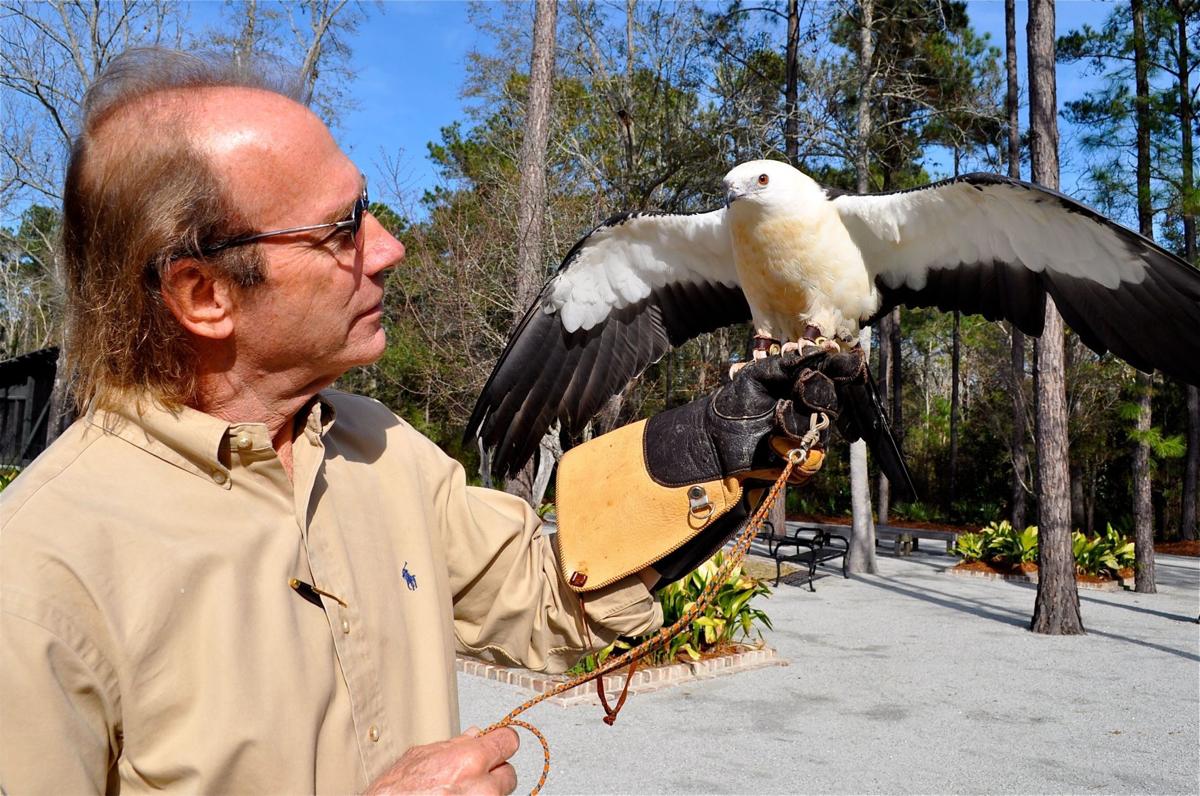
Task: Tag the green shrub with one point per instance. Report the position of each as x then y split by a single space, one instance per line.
915 511
7 474
1122 546
1105 554
1003 544
969 546
728 618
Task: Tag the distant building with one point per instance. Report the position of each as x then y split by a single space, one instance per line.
26 383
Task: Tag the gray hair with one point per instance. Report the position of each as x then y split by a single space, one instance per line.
143 71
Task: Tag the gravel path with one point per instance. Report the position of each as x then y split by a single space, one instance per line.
909 681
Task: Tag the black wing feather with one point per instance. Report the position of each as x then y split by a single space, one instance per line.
1151 318
547 373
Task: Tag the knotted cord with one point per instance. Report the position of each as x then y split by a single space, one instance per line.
741 547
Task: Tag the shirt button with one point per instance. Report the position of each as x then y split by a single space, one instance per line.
219 477
244 442
373 733
345 625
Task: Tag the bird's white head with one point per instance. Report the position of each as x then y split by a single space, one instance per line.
771 186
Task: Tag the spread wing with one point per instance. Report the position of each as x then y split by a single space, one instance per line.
996 246
632 289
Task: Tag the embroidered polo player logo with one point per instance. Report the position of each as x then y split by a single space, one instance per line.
410 579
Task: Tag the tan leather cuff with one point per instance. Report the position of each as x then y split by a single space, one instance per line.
615 520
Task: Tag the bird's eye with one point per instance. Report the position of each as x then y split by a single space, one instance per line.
763 179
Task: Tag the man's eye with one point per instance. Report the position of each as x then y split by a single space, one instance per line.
338 237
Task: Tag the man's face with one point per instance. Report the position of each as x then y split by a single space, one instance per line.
319 311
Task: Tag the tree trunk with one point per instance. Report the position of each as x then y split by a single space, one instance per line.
862 539
861 557
955 365
1191 471
866 55
1011 99
1078 512
1056 609
1020 460
955 358
885 348
1143 507
897 383
1090 504
531 198
791 124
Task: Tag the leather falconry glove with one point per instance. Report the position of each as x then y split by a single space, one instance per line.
668 492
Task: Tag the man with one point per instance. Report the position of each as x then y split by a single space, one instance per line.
226 577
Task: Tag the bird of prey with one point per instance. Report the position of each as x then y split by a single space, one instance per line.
807 263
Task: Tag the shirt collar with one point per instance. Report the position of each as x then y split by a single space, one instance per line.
193 440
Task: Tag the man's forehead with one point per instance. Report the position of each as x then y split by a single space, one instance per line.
225 120
265 147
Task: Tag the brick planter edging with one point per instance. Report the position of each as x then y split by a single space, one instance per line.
644 680
1110 585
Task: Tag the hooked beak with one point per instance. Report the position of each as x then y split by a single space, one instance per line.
731 195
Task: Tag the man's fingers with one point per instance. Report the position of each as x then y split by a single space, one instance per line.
849 366
498 746
815 391
504 778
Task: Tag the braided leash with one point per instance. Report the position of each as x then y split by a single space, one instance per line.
664 636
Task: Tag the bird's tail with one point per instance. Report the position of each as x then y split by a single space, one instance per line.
863 418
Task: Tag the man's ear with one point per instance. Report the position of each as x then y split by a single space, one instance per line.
200 300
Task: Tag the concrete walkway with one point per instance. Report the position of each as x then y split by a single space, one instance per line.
909 681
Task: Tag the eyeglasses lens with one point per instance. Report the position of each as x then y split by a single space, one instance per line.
360 210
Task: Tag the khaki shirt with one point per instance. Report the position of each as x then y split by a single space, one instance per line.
150 640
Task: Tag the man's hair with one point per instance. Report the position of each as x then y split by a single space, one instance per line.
139 195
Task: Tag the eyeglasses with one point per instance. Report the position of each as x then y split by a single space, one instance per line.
352 225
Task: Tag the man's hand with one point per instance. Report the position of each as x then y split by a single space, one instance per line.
745 430
471 763
770 405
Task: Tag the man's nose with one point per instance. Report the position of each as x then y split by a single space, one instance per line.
382 250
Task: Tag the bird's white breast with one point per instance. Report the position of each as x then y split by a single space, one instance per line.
795 268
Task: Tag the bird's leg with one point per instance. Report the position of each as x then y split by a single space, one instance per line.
814 341
764 345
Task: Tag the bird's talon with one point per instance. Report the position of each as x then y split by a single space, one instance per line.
790 347
734 368
810 347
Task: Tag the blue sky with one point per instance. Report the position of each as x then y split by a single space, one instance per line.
411 55
411 60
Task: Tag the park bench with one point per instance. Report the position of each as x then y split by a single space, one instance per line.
905 540
810 544
816 543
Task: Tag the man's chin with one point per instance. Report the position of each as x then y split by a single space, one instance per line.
370 349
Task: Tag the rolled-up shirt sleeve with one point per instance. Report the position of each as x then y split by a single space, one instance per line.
510 602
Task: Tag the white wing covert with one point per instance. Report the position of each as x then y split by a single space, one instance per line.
992 245
629 291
